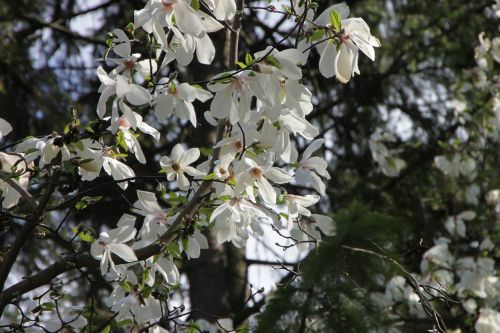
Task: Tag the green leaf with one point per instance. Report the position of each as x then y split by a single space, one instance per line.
273 61
120 140
210 176
240 64
125 322
86 201
107 329
195 4
225 198
48 306
86 236
248 59
125 286
335 20
317 35
205 151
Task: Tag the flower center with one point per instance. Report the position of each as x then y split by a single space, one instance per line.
256 172
222 171
176 167
123 123
167 5
129 64
237 145
344 37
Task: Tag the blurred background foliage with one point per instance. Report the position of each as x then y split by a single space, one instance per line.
47 68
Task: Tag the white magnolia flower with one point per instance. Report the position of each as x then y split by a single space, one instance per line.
477 276
112 242
233 95
311 169
96 158
488 321
354 35
165 267
159 14
178 99
287 65
232 219
183 49
5 128
438 255
195 243
129 62
308 229
456 225
458 165
122 87
178 163
155 219
258 174
297 204
391 165
12 163
129 121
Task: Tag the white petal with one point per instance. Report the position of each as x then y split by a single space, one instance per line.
123 251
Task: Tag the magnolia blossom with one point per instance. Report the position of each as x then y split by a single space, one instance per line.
9 196
308 229
456 225
458 165
391 165
94 159
155 219
5 128
311 169
354 35
182 49
122 87
297 204
194 244
178 163
159 14
128 62
488 321
232 219
258 174
178 99
112 242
